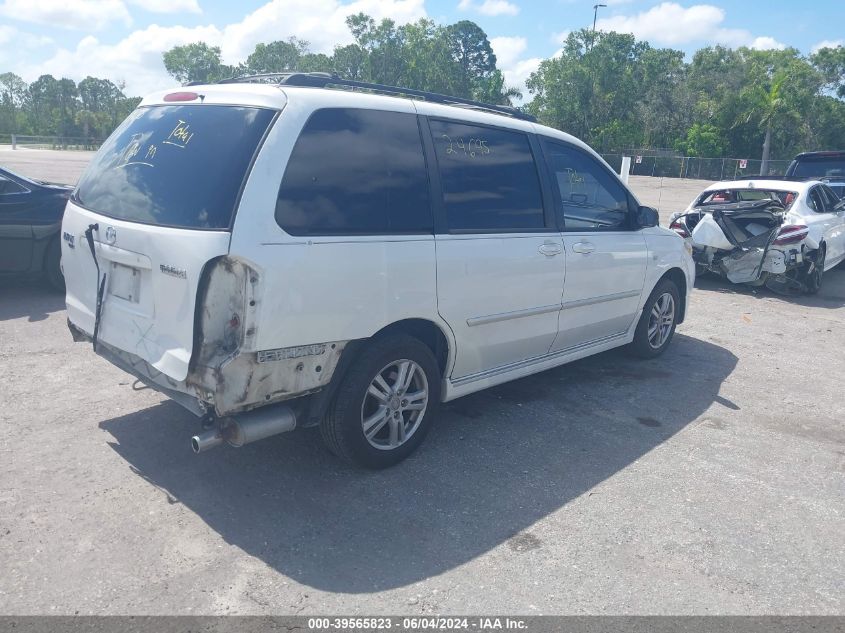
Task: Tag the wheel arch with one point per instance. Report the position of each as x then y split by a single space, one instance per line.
677 276
431 334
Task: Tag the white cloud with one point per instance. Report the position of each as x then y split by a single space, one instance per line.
136 59
827 44
489 7
766 43
13 41
560 38
320 22
91 14
168 6
671 24
508 51
18 38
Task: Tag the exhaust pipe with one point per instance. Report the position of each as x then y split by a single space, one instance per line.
246 428
206 441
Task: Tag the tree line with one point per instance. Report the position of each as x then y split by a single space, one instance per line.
61 107
609 89
457 59
615 92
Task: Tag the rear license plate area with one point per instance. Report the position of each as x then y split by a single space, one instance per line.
125 282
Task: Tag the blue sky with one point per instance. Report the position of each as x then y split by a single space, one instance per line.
123 39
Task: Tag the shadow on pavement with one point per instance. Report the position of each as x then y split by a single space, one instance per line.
495 463
28 297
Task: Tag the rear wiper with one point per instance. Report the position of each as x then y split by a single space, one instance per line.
101 284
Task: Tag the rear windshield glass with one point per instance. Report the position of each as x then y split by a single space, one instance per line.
728 196
179 166
820 168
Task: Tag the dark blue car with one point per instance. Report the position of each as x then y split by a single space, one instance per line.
30 227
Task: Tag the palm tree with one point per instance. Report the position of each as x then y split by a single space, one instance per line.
509 95
767 106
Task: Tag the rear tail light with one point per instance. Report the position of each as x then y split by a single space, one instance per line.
679 228
791 234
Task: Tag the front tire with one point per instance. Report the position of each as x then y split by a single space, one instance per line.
384 404
657 323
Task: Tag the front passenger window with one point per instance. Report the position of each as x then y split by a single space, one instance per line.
591 199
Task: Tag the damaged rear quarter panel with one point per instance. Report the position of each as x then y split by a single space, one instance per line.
244 383
227 371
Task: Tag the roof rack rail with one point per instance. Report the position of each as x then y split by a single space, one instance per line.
323 80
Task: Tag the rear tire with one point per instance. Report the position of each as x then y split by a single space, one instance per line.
385 403
658 320
813 279
53 265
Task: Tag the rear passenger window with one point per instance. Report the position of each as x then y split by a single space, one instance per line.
817 201
355 171
489 178
592 199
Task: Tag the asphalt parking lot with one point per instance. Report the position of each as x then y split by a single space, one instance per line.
709 481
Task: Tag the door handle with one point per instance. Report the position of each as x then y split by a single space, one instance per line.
550 249
584 247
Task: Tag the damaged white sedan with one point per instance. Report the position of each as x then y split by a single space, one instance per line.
778 233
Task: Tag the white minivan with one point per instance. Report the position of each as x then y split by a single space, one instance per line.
302 250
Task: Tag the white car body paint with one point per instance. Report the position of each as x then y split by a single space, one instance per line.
509 305
827 227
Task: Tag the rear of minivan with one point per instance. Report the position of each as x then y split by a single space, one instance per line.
149 227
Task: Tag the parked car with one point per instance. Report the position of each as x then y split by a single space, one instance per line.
284 255
30 220
829 167
784 234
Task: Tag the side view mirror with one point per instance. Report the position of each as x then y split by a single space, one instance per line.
647 217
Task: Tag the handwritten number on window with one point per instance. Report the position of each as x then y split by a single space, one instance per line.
473 148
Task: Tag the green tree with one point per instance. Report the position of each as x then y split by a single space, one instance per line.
428 59
385 47
779 87
87 122
830 62
276 57
477 75
42 97
13 91
315 62
195 62
591 90
350 62
100 95
703 140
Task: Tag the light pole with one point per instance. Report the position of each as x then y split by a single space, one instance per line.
595 15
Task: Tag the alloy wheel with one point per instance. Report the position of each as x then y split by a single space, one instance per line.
660 320
394 404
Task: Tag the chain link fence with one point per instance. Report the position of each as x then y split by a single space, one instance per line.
50 142
696 168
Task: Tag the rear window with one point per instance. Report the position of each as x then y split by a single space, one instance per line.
729 196
832 167
180 166
356 172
